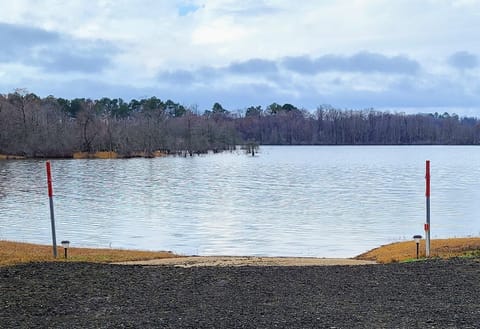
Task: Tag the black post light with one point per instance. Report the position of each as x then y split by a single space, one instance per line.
417 239
65 245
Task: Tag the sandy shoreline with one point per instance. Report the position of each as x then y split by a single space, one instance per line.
201 261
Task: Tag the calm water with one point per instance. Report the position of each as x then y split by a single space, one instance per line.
291 201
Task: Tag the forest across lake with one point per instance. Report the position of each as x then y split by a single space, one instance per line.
31 126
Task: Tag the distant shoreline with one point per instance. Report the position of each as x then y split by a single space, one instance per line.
184 153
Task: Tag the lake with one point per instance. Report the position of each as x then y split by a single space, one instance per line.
324 201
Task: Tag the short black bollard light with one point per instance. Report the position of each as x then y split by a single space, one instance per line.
65 245
417 239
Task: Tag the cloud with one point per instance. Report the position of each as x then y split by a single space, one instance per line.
363 62
177 77
253 66
247 8
358 81
300 64
76 56
218 31
414 92
92 88
18 40
68 61
19 35
442 94
51 51
248 52
463 60
191 79
232 97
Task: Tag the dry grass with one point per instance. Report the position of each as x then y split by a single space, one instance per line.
12 253
11 157
114 155
96 155
443 248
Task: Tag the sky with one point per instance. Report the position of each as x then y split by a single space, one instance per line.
404 55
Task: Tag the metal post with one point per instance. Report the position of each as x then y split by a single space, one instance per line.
427 196
417 249
52 213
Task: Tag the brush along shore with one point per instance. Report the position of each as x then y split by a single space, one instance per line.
94 155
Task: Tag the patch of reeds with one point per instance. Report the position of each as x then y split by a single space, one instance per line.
11 157
95 155
115 155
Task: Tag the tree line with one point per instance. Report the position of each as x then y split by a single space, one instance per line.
327 125
55 127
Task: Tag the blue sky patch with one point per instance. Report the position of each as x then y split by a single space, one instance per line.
187 8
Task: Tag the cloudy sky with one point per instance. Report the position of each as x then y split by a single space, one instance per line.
413 55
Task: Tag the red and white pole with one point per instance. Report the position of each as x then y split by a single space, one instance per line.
52 214
427 196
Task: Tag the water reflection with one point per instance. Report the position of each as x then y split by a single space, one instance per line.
298 201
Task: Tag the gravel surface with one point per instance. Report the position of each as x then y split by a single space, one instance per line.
191 261
430 294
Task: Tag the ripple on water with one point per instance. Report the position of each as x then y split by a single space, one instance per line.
287 201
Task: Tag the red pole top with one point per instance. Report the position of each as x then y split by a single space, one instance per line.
427 178
49 180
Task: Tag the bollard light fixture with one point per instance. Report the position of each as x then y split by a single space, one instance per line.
417 239
65 245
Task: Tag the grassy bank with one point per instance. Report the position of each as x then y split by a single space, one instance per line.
12 253
404 251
